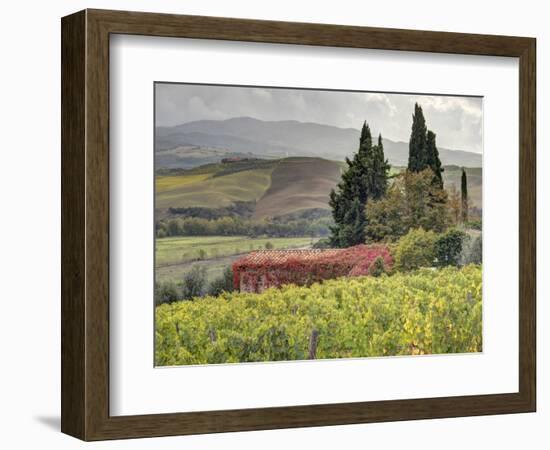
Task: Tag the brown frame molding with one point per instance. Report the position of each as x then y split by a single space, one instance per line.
85 224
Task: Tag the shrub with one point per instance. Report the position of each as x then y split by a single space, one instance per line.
268 245
448 247
377 259
174 227
194 282
474 224
222 284
321 244
166 292
415 249
377 268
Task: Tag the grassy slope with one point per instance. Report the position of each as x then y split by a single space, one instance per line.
212 191
280 187
171 183
298 184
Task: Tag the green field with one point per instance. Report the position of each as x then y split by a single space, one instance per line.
212 192
174 256
175 182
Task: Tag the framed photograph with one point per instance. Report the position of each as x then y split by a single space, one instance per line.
273 225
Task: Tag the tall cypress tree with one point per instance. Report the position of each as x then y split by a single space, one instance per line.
366 138
464 194
417 142
423 151
364 178
432 158
380 169
362 165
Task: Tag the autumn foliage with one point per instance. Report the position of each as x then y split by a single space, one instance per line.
260 270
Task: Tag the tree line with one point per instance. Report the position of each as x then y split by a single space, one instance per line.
238 226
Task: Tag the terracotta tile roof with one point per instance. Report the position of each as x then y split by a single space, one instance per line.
281 256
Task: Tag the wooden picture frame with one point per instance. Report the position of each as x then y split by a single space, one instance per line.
85 224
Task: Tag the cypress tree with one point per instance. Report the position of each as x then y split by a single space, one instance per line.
464 193
417 142
362 165
365 177
432 158
423 151
423 154
353 229
380 169
366 138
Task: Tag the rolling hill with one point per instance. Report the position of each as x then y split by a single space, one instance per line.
205 141
208 189
298 184
274 187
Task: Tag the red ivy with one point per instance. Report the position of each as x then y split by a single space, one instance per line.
352 261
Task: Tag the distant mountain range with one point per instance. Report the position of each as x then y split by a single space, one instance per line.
205 141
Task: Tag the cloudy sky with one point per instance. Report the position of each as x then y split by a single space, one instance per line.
457 121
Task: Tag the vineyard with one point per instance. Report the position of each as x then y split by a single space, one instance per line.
422 312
